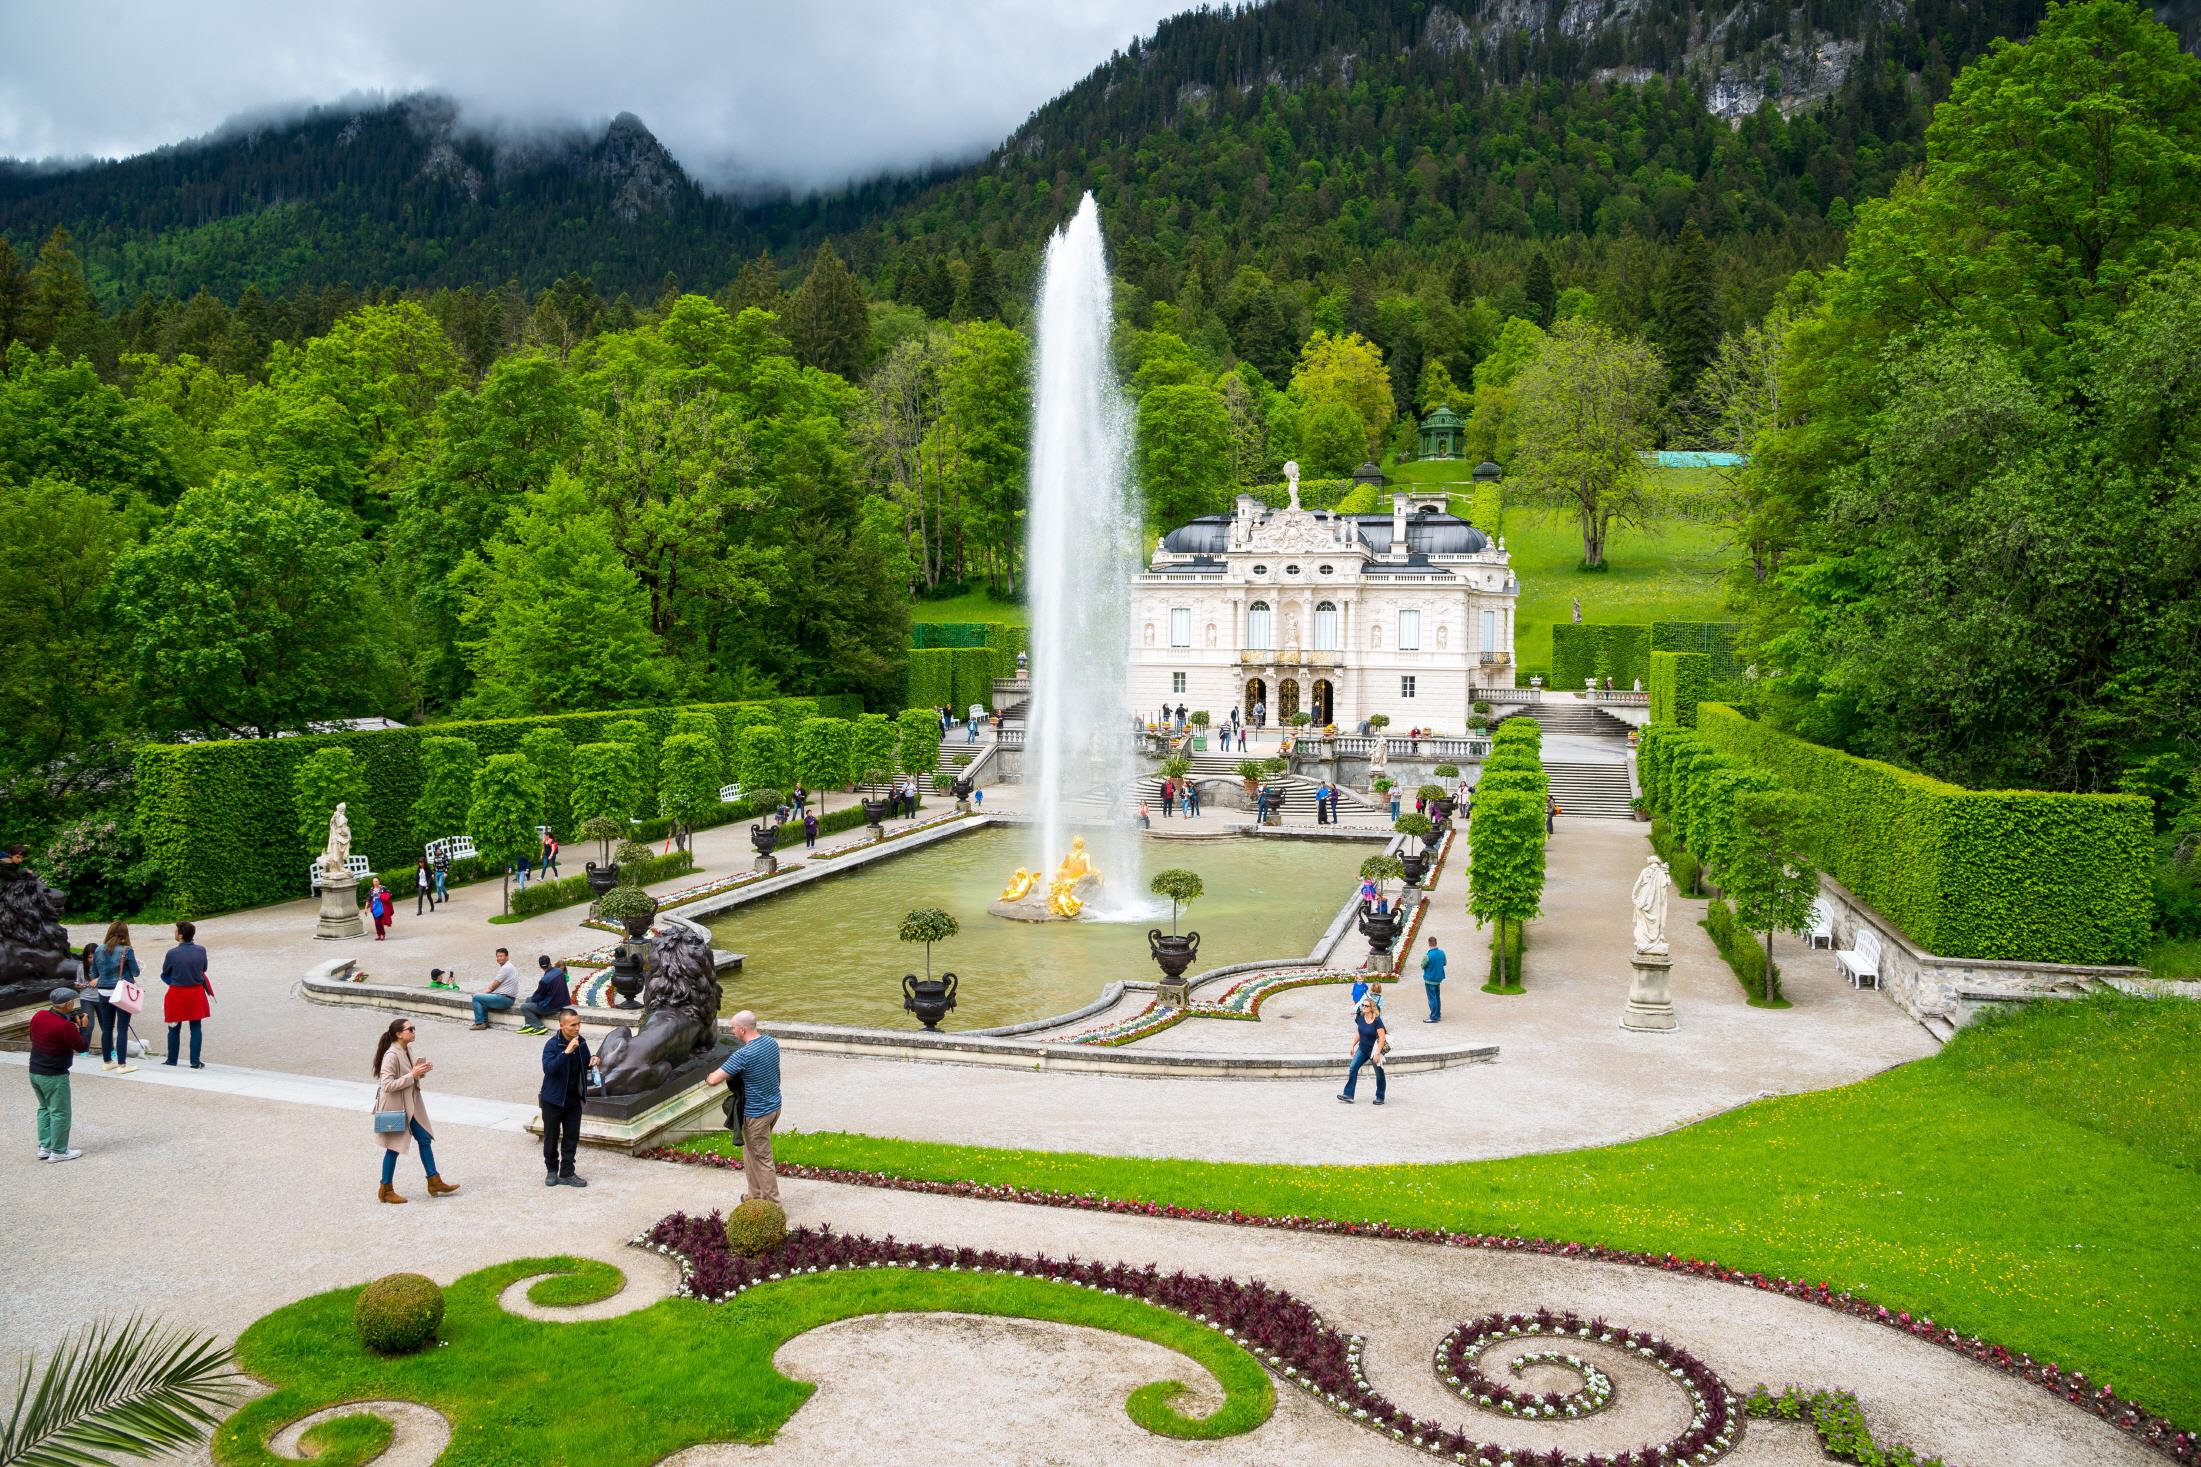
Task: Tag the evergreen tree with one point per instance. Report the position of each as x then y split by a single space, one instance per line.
978 298
1688 312
828 320
1542 291
927 285
15 297
758 286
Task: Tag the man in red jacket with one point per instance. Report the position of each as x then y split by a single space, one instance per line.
59 1033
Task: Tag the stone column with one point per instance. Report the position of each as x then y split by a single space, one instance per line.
339 910
1650 1006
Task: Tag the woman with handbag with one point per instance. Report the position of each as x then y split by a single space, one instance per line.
400 1112
115 996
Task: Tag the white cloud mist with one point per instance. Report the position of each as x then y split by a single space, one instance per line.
798 95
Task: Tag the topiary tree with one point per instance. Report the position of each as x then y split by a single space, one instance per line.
1431 793
605 785
761 759
688 783
447 768
1380 869
328 778
1182 887
756 1227
603 830
636 735
506 808
1199 718
1416 824
927 925
821 753
873 745
399 1312
1378 722
1505 881
550 754
920 740
1446 771
702 725
1769 872
1302 718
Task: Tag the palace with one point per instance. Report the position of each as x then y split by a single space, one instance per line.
1337 615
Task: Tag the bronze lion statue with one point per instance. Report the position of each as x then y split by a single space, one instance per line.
680 1002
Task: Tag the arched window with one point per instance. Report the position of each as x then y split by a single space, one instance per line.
1259 637
1325 626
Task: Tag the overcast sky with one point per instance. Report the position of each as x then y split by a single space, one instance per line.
804 92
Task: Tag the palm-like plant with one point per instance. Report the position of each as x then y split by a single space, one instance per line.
1176 767
135 1389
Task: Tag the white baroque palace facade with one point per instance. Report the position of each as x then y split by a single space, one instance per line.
1339 616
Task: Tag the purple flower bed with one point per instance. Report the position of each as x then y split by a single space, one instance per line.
1281 1330
2179 1445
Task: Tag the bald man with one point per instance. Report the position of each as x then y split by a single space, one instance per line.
757 1062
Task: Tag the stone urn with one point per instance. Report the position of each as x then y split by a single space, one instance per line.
638 925
963 788
876 812
1380 928
928 998
1415 864
1174 954
626 968
1441 810
765 840
601 879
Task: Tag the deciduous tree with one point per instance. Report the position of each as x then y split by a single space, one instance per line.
1585 410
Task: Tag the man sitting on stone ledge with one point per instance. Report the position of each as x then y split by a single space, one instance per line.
502 993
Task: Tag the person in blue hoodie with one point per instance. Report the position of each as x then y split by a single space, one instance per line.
566 1066
551 994
1432 979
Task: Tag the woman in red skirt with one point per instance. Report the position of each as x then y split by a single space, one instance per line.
188 1001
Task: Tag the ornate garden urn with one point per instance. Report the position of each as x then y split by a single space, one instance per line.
928 998
963 787
766 841
1380 928
876 812
1173 954
601 879
1415 864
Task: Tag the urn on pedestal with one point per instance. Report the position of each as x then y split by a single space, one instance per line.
929 998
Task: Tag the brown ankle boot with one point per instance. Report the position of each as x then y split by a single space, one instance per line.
437 1187
388 1193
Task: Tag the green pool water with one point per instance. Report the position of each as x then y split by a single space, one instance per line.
826 952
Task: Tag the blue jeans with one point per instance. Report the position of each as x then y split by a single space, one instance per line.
114 1032
1362 1057
441 894
175 1034
1436 999
486 1004
522 870
427 1156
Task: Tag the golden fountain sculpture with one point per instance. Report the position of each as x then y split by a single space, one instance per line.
1066 894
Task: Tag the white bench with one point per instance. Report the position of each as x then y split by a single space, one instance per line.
729 794
356 865
1862 961
457 847
1821 931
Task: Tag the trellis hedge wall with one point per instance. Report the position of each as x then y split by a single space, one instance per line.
218 818
956 677
1715 639
2013 875
1618 650
1677 685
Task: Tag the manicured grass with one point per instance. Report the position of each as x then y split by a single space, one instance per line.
971 606
681 1371
1670 570
2035 1184
2175 957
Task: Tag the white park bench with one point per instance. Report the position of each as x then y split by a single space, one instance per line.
356 865
457 847
729 794
1821 931
1862 961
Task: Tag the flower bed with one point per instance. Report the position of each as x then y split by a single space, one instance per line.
682 896
1242 1000
2178 1445
846 847
1405 940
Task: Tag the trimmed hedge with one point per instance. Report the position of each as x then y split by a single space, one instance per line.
919 748
1678 682
2016 875
566 891
958 676
873 744
1618 650
218 818
1714 639
1744 957
763 760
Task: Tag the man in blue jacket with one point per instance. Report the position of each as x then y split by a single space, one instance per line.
1432 979
566 1063
551 994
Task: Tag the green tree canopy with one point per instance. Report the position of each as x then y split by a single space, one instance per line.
447 769
1585 409
506 808
1184 452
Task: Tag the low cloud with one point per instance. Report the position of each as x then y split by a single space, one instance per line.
801 96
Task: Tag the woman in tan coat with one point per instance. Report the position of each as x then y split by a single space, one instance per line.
398 1090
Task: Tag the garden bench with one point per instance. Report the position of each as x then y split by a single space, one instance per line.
1862 961
729 794
1821 931
457 847
356 865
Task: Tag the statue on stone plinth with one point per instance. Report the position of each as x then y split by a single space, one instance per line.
337 854
680 1003
1291 481
1649 896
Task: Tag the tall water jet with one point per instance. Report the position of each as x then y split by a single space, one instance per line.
1082 529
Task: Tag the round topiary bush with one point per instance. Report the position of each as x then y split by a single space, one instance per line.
756 1227
398 1313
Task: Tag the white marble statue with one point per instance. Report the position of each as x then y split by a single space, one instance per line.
1379 758
338 852
1649 896
1291 480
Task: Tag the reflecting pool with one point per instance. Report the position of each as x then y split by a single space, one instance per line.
826 952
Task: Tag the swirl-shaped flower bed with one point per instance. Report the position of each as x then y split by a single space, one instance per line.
1281 1330
1459 1363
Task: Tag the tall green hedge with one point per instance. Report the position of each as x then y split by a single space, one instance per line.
2017 875
218 817
931 678
1678 681
1618 650
1715 639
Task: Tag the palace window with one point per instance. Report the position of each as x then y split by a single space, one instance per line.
1291 570
1325 626
1409 631
1259 638
1180 626
1176 682
1406 687
1490 631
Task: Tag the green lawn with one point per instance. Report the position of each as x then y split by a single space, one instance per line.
2175 957
679 1372
2036 1183
971 606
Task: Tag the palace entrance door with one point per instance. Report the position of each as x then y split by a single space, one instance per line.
1325 703
1287 699
1257 693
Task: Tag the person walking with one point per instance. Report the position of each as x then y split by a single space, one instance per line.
809 829
1551 815
1261 714
59 1033
1146 817
424 887
397 1095
551 994
378 907
757 1063
520 868
1432 979
1372 1042
566 1067
550 855
443 872
1241 738
115 996
1192 798
503 991
190 993
1169 799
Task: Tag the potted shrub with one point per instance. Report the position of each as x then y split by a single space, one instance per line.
1302 718
1636 805
1436 801
631 907
603 830
1200 721
929 998
1414 863
1482 706
1175 953
1176 767
628 858
877 807
1378 722
1251 771
1384 785
1447 777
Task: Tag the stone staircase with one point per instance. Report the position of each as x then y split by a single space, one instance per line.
1598 791
1299 791
1573 716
